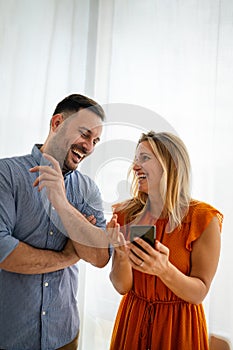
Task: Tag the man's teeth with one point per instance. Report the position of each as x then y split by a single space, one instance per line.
80 155
141 176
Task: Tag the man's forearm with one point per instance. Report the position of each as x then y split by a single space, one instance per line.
26 259
90 241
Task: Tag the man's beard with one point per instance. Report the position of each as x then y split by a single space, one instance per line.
74 147
65 167
59 154
63 153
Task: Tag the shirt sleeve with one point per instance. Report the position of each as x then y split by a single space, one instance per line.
94 206
7 213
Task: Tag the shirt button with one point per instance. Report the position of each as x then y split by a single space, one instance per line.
51 233
43 313
46 284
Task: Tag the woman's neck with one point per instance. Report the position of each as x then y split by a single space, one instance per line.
156 207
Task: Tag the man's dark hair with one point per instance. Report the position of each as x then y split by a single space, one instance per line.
73 103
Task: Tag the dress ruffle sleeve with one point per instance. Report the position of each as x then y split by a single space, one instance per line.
199 217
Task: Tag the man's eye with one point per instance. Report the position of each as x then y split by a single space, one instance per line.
85 136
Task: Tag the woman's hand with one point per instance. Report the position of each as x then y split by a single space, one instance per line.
116 238
121 274
153 261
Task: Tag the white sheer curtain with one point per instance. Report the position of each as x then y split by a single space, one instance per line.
44 54
171 57
176 59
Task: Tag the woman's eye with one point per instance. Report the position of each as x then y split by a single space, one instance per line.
142 158
145 158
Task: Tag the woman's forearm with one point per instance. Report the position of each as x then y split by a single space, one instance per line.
121 274
189 288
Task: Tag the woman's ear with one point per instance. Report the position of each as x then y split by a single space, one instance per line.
56 120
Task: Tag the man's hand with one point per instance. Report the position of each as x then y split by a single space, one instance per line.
91 219
51 178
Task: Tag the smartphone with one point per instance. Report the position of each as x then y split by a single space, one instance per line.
146 232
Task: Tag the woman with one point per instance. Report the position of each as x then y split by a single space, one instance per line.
163 286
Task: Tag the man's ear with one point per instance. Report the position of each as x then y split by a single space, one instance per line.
56 120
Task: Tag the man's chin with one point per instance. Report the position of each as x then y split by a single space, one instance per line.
69 167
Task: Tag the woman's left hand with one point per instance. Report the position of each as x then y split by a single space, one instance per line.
153 261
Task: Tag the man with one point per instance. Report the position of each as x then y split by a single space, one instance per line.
38 275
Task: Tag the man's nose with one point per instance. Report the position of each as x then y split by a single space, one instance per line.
88 146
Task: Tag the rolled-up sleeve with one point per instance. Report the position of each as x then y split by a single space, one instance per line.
7 214
7 245
86 197
94 204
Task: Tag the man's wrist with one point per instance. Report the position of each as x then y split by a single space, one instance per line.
61 205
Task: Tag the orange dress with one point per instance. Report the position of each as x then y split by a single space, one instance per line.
151 316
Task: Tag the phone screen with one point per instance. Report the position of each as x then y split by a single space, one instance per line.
146 232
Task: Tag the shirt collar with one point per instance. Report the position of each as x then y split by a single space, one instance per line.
36 153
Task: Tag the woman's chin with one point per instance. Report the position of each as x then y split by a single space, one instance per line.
143 189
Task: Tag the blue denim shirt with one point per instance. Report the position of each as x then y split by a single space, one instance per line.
38 312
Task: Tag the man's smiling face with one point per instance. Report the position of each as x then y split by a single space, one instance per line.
75 138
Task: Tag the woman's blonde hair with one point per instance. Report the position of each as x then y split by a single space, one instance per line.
172 154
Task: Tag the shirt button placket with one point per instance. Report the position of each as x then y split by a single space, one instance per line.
46 284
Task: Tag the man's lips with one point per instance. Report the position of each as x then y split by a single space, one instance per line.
77 155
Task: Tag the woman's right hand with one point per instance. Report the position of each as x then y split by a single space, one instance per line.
121 274
115 237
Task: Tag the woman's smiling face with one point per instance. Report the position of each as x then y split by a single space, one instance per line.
147 169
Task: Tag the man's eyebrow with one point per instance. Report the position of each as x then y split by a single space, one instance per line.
83 128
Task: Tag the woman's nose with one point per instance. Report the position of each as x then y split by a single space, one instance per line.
136 165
